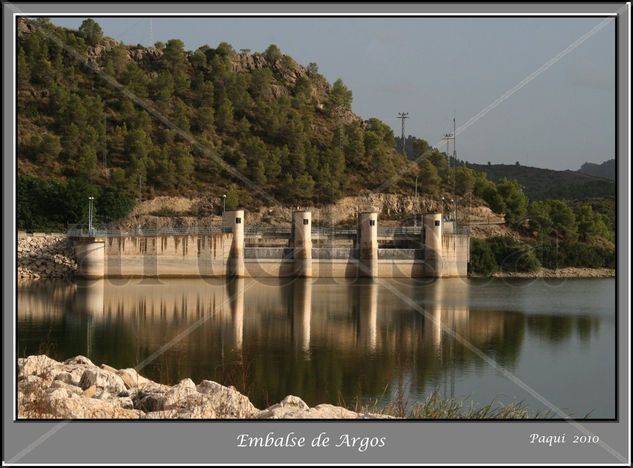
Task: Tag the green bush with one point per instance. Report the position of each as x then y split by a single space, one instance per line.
513 255
113 204
575 254
482 260
53 205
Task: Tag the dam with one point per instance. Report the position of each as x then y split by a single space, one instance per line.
234 249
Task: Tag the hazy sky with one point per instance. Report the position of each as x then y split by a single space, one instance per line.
431 67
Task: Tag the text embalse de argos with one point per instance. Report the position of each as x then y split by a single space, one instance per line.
293 440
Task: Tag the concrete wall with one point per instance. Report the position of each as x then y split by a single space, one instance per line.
455 255
176 256
223 254
90 258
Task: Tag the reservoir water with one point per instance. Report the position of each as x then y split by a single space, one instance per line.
343 341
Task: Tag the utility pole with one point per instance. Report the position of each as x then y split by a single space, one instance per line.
402 116
454 140
151 32
448 137
455 165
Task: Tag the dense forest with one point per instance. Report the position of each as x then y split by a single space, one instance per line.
281 125
127 123
543 184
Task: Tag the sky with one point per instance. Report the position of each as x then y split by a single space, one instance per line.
437 68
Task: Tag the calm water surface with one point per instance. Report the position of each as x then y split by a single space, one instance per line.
331 341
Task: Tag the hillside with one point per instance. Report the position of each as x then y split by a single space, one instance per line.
541 184
139 122
157 135
605 169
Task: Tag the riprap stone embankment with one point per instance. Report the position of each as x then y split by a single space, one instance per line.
78 389
45 256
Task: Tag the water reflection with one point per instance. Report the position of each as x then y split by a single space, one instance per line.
367 315
301 313
236 294
324 341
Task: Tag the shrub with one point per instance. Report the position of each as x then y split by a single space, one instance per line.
482 259
52 205
575 254
513 255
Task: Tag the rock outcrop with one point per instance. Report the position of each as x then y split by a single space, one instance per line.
78 389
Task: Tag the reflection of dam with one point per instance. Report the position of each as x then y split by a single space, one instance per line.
357 317
360 315
316 338
368 314
447 310
302 313
236 292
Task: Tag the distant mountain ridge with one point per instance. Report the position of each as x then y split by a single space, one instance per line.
541 184
605 169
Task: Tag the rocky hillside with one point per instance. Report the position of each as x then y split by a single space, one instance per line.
393 210
149 121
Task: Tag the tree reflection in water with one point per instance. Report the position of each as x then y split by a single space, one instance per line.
324 341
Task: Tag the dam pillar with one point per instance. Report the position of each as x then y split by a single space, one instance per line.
235 221
433 244
368 245
302 243
90 254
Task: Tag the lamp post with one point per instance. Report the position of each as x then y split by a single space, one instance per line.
90 211
223 203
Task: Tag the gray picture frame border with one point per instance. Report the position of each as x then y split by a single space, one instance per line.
410 442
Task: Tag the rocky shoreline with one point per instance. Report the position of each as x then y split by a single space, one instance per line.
45 256
78 389
569 272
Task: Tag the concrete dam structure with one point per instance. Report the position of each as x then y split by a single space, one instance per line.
235 250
